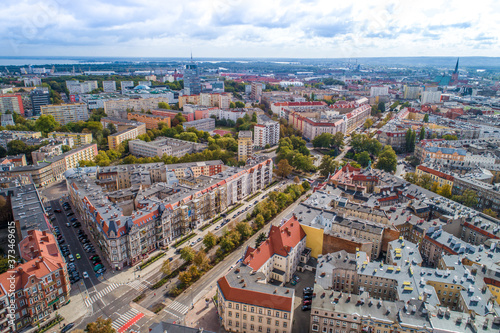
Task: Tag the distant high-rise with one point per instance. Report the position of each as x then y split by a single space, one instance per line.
39 97
454 76
192 83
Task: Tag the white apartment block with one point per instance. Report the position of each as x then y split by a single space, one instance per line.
266 132
66 113
109 86
118 107
231 114
379 91
161 146
77 87
430 97
124 85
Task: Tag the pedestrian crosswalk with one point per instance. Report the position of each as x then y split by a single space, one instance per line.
178 307
138 285
125 318
91 299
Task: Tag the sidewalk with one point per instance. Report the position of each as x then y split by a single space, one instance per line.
204 317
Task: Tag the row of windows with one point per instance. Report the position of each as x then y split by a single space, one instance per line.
252 327
252 310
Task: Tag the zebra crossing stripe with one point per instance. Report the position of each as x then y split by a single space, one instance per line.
89 301
179 307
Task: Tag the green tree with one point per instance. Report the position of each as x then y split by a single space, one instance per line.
209 240
469 198
323 140
425 181
426 118
422 134
201 260
112 128
368 123
100 326
3 152
254 117
187 253
381 106
65 148
163 105
283 168
260 238
166 268
387 160
306 186
328 166
239 104
490 212
259 221
244 229
187 136
363 158
46 123
232 105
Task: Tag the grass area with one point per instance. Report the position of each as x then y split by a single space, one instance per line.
158 307
272 184
217 219
205 227
253 196
234 208
151 260
139 298
174 273
225 128
184 239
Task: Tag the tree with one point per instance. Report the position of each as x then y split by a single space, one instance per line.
425 181
387 160
296 180
328 166
450 137
426 118
3 152
112 128
209 240
283 168
100 326
65 148
363 158
187 136
306 186
4 265
338 140
201 260
244 229
411 177
185 277
232 105
239 104
469 198
445 191
381 106
178 119
254 117
260 238
259 221
166 268
368 123
187 253
163 105
434 187
46 123
323 140
490 212
421 136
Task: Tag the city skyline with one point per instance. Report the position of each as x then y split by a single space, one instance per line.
239 29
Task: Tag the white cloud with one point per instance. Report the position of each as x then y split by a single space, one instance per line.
240 28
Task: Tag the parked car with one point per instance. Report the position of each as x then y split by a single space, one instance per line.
95 256
308 297
98 267
67 328
57 210
74 219
70 213
78 256
307 302
71 258
68 224
85 275
306 307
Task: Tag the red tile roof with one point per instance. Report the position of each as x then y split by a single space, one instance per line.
280 241
254 297
435 172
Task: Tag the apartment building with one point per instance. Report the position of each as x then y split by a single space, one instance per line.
122 124
118 107
12 103
392 136
266 132
52 169
39 97
130 133
437 176
109 86
66 113
13 160
162 209
256 90
150 120
162 146
206 125
46 152
221 100
124 85
411 92
78 138
76 87
41 284
246 301
245 145
189 116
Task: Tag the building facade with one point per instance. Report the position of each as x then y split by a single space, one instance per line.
66 113
245 145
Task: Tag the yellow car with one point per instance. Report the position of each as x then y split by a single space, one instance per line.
78 256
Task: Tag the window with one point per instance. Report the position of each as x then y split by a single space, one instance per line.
277 323
260 328
269 312
269 321
229 305
252 318
277 314
285 315
314 328
260 319
284 324
268 330
252 327
323 330
244 307
229 313
252 309
237 315
260 311
325 321
244 317
237 306
230 322
237 324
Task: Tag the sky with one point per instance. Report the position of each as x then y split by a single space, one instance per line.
249 28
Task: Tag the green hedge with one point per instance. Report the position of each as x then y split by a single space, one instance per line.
233 209
184 239
151 260
253 196
272 184
50 324
204 227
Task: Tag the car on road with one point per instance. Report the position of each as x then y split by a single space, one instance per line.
307 302
307 297
57 210
85 275
217 227
70 213
199 239
71 258
77 224
67 328
78 256
193 243
308 290
68 224
98 267
306 307
60 241
74 219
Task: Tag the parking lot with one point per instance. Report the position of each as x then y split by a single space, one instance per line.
73 243
301 318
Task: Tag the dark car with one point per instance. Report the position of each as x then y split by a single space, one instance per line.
67 327
95 256
74 219
306 307
308 290
308 297
60 241
57 210
70 213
